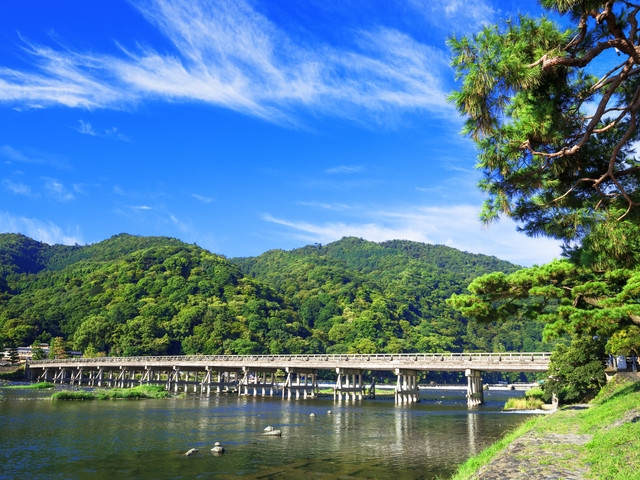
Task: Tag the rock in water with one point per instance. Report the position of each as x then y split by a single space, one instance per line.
273 433
268 429
217 449
192 451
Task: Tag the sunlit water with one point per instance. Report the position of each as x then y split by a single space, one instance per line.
147 439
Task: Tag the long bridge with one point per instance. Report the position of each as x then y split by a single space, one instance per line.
258 374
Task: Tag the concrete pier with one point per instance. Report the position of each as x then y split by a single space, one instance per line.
349 384
300 382
406 390
475 392
257 381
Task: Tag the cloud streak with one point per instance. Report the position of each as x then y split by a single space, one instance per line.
227 54
86 128
456 226
15 155
56 190
469 15
42 230
344 169
16 188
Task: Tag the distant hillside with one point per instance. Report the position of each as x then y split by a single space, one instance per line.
131 295
138 295
354 290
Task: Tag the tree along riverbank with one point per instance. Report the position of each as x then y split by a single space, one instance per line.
599 440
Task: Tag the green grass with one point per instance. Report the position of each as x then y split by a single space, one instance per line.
475 463
525 403
614 451
38 386
140 392
532 400
68 395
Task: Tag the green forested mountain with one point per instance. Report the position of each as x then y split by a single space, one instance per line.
139 295
367 297
133 295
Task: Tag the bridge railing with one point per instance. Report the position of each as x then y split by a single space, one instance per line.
533 357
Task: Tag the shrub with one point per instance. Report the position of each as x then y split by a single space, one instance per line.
67 395
535 393
576 373
523 403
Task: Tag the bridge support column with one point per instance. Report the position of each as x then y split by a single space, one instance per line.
475 393
294 383
407 386
205 385
349 383
146 376
372 388
61 376
46 375
223 381
99 376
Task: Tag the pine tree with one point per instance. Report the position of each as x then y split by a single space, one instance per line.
554 115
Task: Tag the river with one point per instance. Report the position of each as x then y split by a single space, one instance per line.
147 439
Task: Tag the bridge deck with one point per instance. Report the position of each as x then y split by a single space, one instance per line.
490 362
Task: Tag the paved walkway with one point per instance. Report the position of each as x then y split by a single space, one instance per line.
540 456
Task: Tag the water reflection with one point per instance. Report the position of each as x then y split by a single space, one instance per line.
147 439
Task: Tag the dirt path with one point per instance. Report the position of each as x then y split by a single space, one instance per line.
540 456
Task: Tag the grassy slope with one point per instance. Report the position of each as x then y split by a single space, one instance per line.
614 451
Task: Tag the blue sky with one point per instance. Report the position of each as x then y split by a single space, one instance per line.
242 126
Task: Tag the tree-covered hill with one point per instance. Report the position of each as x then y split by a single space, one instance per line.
132 295
368 297
139 295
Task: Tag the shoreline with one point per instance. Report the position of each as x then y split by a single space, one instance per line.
596 440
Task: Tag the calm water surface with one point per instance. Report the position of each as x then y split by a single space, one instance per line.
131 439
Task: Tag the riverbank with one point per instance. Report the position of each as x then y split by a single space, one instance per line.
599 440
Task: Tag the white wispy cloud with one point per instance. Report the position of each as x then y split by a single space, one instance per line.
331 231
227 54
33 157
41 230
464 16
184 226
456 226
57 190
335 206
86 128
17 188
202 198
344 169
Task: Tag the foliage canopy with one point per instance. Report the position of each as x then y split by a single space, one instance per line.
553 112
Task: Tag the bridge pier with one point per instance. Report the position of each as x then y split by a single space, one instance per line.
221 380
294 383
45 376
475 393
61 376
258 381
407 386
349 383
76 377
